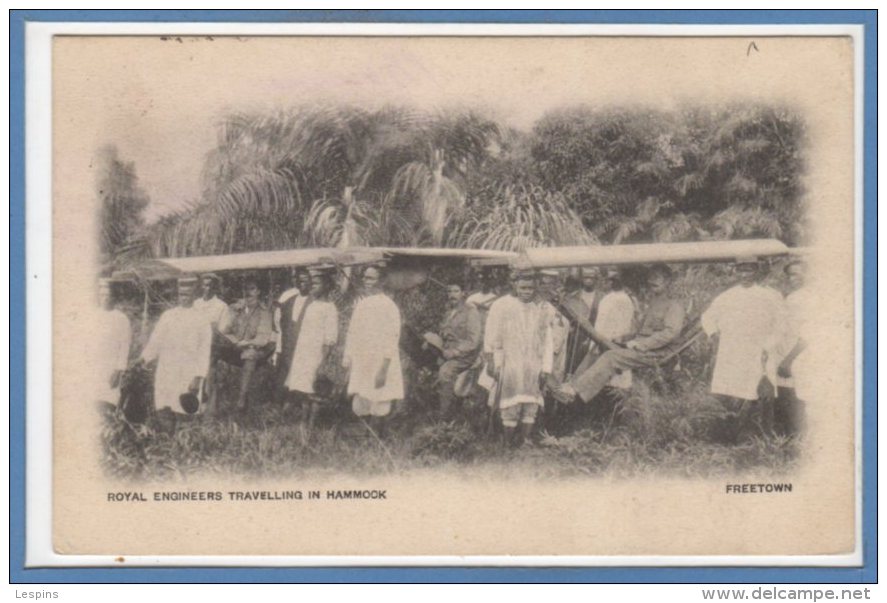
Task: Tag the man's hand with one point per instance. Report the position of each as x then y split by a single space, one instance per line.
381 375
114 381
194 386
785 369
450 354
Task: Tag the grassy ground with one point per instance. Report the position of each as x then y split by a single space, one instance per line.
647 432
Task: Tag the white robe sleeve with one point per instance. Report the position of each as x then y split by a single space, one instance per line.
389 326
152 349
548 349
204 349
122 343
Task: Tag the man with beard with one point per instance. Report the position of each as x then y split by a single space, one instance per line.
519 355
749 320
315 330
459 342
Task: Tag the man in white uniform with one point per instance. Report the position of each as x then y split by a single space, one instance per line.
181 344
113 342
372 351
749 320
519 355
315 331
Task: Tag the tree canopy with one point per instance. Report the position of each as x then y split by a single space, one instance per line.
346 175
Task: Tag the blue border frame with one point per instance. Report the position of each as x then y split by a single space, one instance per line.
18 575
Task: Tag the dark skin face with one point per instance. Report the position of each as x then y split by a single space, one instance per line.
589 281
656 283
320 286
747 273
372 278
525 290
302 281
186 296
210 287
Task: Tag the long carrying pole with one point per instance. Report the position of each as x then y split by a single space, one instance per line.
586 326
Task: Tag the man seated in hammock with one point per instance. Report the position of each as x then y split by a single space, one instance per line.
662 324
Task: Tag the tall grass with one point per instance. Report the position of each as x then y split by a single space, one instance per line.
648 434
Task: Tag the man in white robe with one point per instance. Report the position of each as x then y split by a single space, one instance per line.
519 355
181 344
372 351
315 330
749 320
114 339
286 310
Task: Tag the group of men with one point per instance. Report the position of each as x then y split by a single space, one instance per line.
514 349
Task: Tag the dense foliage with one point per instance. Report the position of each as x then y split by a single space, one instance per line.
349 176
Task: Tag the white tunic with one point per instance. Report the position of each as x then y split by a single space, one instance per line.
114 340
213 310
519 337
373 335
181 343
320 327
615 318
751 322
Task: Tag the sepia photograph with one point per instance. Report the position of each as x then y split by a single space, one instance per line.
476 295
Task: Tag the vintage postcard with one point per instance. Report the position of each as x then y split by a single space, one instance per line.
454 297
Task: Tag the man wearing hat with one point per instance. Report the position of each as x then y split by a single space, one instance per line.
180 343
519 355
372 351
662 324
749 320
114 339
315 330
